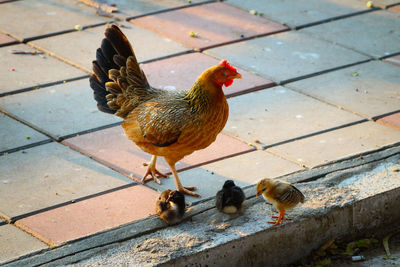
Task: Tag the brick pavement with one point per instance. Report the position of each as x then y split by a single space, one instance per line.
319 85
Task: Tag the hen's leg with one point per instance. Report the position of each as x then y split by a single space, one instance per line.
151 170
179 187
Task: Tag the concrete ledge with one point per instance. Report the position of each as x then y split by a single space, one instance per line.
338 203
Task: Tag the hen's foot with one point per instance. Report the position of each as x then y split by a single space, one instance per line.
155 174
188 191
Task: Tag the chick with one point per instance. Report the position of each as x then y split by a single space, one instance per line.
282 195
170 206
230 198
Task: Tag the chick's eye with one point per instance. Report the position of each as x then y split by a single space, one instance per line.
224 74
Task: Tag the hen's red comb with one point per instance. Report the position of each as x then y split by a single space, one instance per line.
227 65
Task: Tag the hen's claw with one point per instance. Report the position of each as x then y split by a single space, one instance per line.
188 191
155 174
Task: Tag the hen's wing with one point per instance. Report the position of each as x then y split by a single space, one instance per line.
160 120
118 82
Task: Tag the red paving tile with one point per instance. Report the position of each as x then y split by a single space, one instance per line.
215 24
394 60
90 216
5 39
111 147
395 8
180 72
391 121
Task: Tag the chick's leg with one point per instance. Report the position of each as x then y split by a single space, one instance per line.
280 218
151 170
179 187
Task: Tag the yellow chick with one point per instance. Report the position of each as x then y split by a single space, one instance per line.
282 195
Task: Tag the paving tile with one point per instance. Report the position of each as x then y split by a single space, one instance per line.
215 24
251 167
391 121
395 8
15 243
31 70
374 33
301 12
90 216
6 40
47 175
111 147
295 53
339 144
394 60
129 8
59 110
147 45
280 114
370 89
47 16
180 72
15 134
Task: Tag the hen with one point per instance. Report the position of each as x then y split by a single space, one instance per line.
172 124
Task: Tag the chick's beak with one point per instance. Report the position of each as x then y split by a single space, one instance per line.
258 193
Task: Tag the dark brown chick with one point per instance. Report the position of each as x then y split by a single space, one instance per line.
230 198
170 206
171 124
282 195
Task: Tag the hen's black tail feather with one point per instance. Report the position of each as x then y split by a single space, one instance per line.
115 49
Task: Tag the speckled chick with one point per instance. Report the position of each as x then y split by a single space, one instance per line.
230 198
282 195
170 206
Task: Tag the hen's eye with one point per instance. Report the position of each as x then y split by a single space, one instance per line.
224 74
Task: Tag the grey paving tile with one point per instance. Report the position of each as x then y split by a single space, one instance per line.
147 45
26 71
45 17
279 114
251 167
129 8
207 183
59 110
301 12
47 175
339 144
374 33
287 55
15 243
14 134
370 89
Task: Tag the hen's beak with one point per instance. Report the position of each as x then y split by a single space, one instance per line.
237 76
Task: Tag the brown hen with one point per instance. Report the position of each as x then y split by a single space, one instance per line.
172 124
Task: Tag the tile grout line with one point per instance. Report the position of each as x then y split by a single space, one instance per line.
314 134
335 18
170 9
12 220
306 76
45 85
